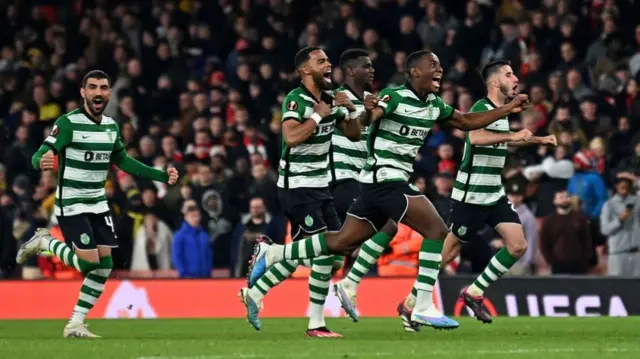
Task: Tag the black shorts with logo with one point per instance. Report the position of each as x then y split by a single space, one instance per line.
87 231
466 219
383 201
310 211
344 195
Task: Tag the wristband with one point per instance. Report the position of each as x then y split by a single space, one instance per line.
316 118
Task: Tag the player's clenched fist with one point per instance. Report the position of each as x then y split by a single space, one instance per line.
370 102
322 109
173 175
47 161
343 100
522 135
519 103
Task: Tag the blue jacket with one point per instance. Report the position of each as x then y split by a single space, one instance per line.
192 255
591 189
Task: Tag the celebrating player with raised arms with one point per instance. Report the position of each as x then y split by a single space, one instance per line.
402 118
86 143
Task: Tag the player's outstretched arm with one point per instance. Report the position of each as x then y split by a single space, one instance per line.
477 120
139 169
536 140
59 138
483 137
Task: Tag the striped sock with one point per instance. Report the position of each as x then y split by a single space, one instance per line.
338 263
319 289
272 277
66 255
429 268
367 257
498 266
92 288
311 247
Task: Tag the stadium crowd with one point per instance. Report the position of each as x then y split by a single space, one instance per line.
199 84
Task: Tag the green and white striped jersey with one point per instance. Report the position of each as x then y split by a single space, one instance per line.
348 157
394 140
84 150
479 179
307 164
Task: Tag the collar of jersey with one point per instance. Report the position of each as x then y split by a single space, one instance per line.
84 112
415 92
491 102
348 88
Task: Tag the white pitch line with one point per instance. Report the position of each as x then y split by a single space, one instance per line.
522 351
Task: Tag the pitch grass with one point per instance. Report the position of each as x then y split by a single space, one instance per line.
582 338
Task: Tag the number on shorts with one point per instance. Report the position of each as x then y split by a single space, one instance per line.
109 222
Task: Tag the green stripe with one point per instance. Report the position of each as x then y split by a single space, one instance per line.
87 201
307 158
96 278
429 264
407 159
83 304
350 152
83 184
477 188
94 127
399 139
314 173
484 170
92 146
497 131
424 124
314 140
500 152
89 166
425 279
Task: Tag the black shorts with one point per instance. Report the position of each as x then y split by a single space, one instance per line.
88 230
344 194
466 219
310 211
383 201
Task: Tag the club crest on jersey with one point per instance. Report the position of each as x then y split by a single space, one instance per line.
292 106
308 221
54 131
84 238
433 113
110 134
385 98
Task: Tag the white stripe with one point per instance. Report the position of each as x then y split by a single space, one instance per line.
477 197
77 174
374 246
282 269
429 272
80 119
482 281
424 286
341 157
344 142
311 149
499 265
387 174
488 161
69 193
302 251
272 277
93 284
360 268
62 254
80 309
261 286
406 166
308 111
317 296
93 137
426 256
78 155
493 276
367 257
500 125
427 113
407 93
305 181
76 265
300 167
382 104
395 147
318 283
479 179
317 248
345 174
307 98
79 208
88 298
413 132
50 139
291 114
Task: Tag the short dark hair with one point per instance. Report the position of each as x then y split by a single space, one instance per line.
414 57
493 67
303 55
95 74
351 54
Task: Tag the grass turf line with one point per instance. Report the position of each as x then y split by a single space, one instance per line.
548 338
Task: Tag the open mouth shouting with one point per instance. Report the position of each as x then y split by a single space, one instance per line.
327 76
98 103
436 80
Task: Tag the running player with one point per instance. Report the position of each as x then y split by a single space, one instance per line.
402 119
310 115
478 194
346 160
86 142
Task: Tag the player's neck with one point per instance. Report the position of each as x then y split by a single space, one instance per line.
357 90
96 119
496 98
311 87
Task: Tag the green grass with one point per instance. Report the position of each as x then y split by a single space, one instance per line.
546 338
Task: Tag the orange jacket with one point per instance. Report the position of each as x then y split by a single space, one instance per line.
403 260
54 268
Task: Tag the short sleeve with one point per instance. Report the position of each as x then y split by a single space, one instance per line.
293 109
446 111
61 135
389 100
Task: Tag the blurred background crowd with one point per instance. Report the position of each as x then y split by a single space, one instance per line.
199 84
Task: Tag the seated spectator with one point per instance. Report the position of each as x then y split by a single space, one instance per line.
191 253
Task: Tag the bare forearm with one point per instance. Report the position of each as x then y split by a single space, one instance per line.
351 129
298 132
478 120
364 118
535 140
487 138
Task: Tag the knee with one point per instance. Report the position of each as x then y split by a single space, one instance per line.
340 245
390 229
518 247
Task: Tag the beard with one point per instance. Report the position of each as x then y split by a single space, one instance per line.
319 81
507 92
96 105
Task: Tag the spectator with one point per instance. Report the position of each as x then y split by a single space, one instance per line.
567 248
515 194
256 223
152 245
620 223
191 249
